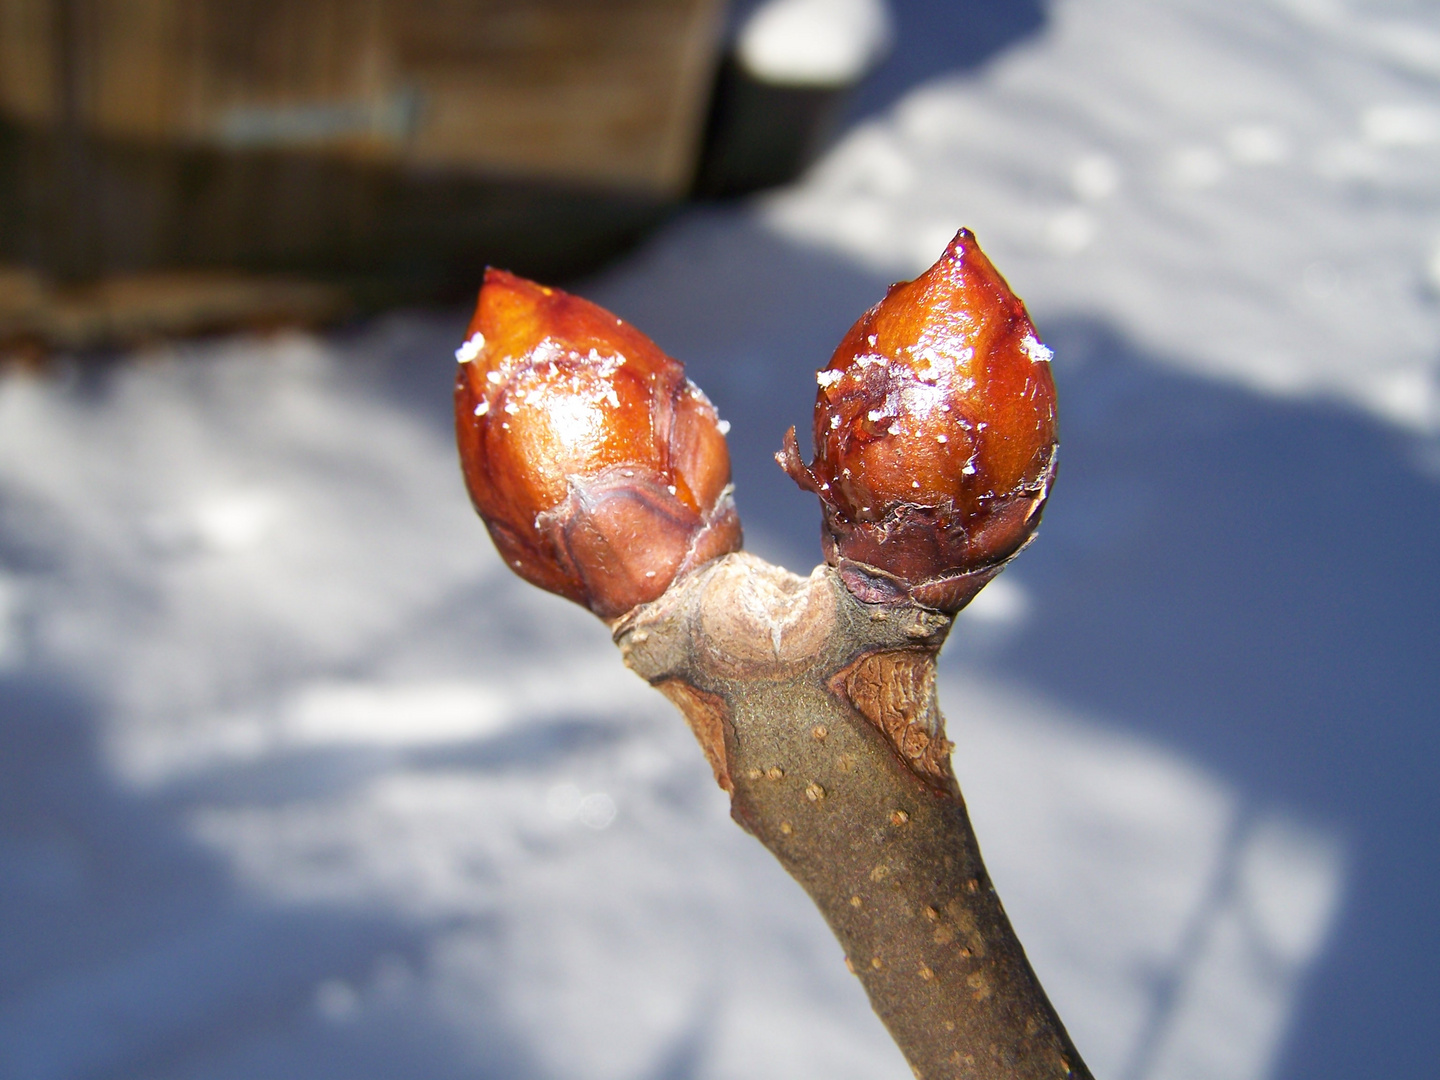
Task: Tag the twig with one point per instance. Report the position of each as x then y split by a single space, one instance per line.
602 474
817 713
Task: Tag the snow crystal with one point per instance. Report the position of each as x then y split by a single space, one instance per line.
1038 353
471 349
932 370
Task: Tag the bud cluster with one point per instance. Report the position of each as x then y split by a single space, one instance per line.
935 436
600 471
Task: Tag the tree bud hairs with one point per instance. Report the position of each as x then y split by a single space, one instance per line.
602 475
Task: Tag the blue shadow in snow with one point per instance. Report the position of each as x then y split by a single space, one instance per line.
129 951
1255 583
934 39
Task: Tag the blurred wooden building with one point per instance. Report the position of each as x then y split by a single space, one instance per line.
386 143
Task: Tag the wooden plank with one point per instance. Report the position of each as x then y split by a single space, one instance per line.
36 316
604 92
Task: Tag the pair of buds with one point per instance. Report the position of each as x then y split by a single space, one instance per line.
603 475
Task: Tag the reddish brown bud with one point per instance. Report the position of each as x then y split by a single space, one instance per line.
934 436
599 469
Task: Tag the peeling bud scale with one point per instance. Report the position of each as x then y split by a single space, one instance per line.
935 436
610 476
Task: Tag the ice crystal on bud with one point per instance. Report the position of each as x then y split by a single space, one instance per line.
932 505
471 349
1039 354
609 476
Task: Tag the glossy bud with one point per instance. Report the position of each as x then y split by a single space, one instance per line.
601 472
935 436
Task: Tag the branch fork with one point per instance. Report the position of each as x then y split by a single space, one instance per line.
818 715
603 475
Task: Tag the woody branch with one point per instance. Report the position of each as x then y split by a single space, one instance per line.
602 474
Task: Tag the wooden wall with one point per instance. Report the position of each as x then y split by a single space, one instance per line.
338 133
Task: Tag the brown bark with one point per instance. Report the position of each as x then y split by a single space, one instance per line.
817 713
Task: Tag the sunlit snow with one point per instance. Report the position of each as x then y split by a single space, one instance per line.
300 781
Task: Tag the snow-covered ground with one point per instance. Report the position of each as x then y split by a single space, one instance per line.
297 781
